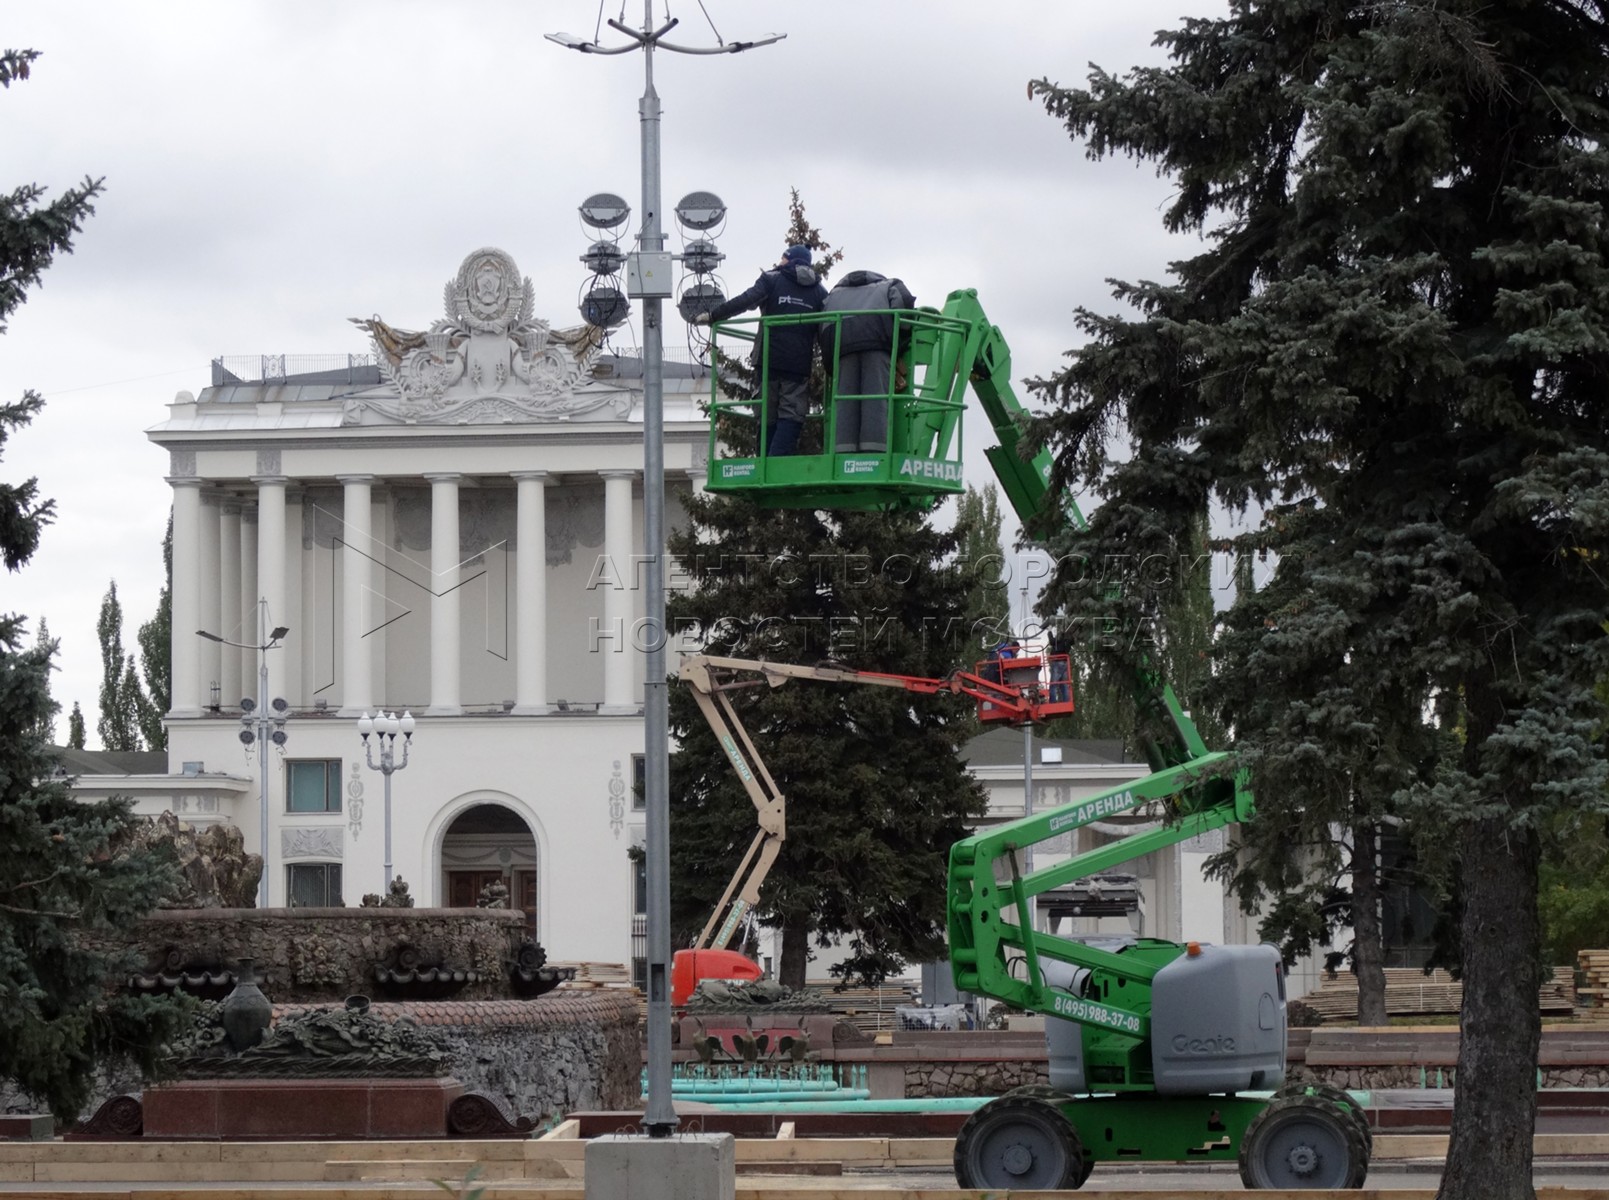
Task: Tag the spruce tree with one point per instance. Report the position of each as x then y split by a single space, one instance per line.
75 728
876 793
68 885
1392 346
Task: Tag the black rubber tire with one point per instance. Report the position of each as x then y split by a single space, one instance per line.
1019 1143
1300 1142
1037 1091
1340 1099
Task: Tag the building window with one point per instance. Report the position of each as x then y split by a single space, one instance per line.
313 786
639 782
639 923
313 885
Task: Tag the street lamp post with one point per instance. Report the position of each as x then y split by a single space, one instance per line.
387 725
659 1116
263 721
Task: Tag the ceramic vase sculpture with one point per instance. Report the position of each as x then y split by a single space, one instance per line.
247 1013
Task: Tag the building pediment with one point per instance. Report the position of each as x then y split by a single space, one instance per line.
488 361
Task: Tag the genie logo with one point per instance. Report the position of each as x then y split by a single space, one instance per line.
1210 1045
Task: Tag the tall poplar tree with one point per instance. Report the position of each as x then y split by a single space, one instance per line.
1394 342
122 698
156 656
876 792
67 883
982 560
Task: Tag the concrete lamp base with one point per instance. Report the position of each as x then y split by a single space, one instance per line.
684 1166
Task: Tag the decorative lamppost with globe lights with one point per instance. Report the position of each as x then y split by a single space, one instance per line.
387 725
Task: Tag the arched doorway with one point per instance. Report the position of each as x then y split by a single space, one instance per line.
485 844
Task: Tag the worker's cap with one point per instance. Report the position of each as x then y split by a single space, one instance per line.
798 256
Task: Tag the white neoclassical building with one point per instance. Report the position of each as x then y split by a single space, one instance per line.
451 527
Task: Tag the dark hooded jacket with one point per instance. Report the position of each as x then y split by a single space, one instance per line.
784 291
868 330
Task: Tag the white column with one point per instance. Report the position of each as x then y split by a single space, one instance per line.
246 614
530 594
271 576
357 671
186 693
208 601
445 656
229 602
289 614
614 579
380 610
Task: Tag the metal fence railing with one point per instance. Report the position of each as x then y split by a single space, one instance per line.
270 368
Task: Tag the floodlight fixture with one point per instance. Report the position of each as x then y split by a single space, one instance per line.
700 210
604 307
701 257
604 210
604 258
700 298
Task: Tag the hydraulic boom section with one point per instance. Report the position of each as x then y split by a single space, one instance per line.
1022 693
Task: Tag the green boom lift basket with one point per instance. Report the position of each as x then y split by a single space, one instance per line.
922 462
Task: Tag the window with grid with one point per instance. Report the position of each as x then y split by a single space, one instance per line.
313 884
313 785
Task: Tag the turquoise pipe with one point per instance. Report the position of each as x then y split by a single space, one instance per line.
943 1104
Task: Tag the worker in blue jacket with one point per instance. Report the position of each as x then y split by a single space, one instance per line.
789 288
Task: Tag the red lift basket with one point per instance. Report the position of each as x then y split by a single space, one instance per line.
1045 682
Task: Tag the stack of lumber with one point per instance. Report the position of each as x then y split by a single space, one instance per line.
1411 992
596 975
1594 991
869 1009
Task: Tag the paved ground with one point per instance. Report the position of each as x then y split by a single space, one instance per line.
1588 1177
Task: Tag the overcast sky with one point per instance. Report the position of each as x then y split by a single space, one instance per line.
273 168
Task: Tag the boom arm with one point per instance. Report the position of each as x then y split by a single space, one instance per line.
985 360
990 899
712 679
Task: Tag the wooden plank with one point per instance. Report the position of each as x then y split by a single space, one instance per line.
563 1131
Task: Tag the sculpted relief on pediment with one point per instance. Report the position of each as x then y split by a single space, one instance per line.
488 361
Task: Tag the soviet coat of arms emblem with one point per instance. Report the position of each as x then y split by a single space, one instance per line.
489 360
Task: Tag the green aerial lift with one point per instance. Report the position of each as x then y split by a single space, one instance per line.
1159 1051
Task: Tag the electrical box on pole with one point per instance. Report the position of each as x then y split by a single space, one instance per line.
648 275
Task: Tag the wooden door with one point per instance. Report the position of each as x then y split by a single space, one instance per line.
464 887
525 898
